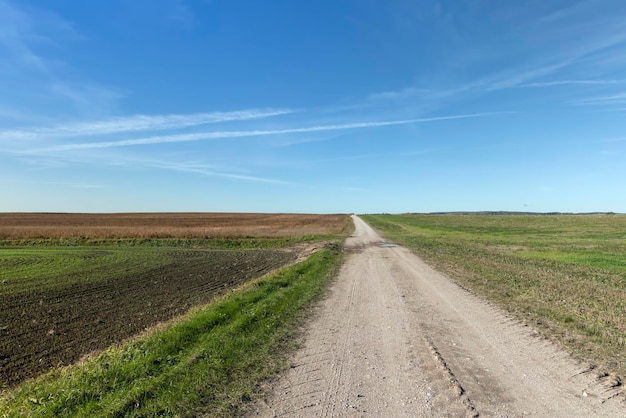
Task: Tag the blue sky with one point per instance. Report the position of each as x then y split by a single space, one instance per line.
322 106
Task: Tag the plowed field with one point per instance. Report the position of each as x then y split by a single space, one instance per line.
16 226
59 316
72 284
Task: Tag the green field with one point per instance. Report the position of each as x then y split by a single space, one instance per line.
153 314
58 303
41 264
564 274
210 361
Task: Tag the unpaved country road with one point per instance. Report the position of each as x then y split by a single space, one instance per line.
395 338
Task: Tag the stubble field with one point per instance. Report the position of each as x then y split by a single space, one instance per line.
563 274
71 285
47 226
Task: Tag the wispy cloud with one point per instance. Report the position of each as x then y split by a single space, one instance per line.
16 30
613 99
571 82
161 139
73 185
518 78
23 32
356 189
620 139
376 156
400 94
573 52
288 142
182 13
210 171
139 123
77 185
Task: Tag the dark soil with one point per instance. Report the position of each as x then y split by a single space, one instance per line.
44 329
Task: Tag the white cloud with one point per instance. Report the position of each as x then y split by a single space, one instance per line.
571 82
139 123
400 94
619 98
161 139
574 52
52 86
356 189
210 171
16 30
520 77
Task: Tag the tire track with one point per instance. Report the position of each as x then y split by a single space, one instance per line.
367 367
340 352
412 343
316 374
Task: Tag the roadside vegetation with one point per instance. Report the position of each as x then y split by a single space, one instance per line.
153 314
564 274
209 362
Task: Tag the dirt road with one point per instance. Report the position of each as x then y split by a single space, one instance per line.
395 338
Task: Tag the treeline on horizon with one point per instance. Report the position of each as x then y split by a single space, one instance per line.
486 212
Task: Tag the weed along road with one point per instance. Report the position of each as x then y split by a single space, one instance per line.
395 338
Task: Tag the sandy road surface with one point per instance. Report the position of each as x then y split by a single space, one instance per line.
395 338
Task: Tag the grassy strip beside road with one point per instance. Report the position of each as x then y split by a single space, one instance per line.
210 361
566 274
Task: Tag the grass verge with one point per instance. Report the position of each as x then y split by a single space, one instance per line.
210 362
565 274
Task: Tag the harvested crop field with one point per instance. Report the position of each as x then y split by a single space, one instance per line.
74 284
16 226
563 274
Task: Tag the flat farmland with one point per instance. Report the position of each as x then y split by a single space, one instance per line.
28 226
71 285
563 274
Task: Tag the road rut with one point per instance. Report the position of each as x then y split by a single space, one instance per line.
395 338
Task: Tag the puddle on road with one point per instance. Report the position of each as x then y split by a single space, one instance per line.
380 244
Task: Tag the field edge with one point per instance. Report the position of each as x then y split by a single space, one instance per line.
463 263
181 367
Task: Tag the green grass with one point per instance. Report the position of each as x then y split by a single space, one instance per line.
23 269
566 274
207 243
209 362
45 264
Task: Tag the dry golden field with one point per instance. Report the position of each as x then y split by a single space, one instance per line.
167 225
